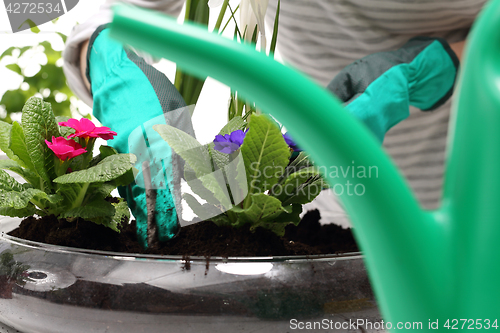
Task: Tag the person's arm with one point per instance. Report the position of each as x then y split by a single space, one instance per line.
379 89
458 48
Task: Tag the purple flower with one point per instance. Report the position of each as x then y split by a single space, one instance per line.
289 141
229 143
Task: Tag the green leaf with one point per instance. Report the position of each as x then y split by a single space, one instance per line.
265 153
97 208
197 157
20 199
237 123
197 186
7 52
121 214
5 132
19 148
8 183
108 169
39 124
63 36
29 210
262 208
15 68
105 151
275 29
300 162
308 192
28 175
65 130
205 212
295 184
70 193
32 26
99 191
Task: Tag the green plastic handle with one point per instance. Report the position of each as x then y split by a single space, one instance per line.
418 261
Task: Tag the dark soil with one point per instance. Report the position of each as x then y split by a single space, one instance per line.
200 239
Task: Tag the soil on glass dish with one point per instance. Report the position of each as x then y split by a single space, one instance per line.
200 239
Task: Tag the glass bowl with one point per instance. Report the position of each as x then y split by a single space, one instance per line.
51 289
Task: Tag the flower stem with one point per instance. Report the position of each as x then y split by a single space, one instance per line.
81 195
221 15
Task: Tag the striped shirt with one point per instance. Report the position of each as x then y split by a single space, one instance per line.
321 37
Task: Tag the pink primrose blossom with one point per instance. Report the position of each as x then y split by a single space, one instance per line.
86 129
64 148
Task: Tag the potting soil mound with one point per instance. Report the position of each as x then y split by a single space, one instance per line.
200 239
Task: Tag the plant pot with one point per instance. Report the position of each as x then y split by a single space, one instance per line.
75 290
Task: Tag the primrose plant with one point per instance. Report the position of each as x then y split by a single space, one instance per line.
249 174
63 178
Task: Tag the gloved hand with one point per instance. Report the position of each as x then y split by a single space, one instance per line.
379 89
130 97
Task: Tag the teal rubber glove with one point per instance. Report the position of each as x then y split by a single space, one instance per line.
130 97
379 89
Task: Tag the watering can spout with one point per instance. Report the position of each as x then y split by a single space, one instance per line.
408 251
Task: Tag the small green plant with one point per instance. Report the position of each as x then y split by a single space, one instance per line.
13 270
62 176
246 177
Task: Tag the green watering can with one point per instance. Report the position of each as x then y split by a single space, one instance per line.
424 265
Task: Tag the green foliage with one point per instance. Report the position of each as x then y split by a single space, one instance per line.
50 76
12 269
256 185
67 189
189 86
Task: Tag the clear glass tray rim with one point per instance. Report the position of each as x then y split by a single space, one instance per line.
177 258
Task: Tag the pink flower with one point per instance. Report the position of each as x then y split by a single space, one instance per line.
86 129
64 148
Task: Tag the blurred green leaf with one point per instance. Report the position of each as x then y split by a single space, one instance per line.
7 52
50 76
15 68
32 26
63 36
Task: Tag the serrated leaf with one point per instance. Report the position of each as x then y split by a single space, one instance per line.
65 130
108 169
120 215
96 208
262 208
99 190
197 186
8 183
294 183
39 124
265 153
20 199
220 159
29 210
300 162
18 147
28 175
204 211
5 132
198 158
291 214
69 192
105 151
237 123
307 193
